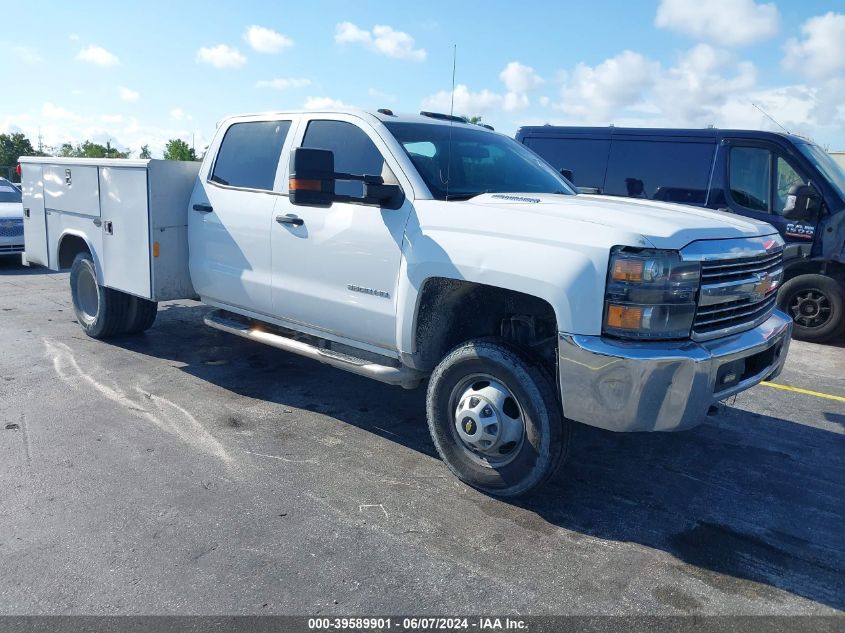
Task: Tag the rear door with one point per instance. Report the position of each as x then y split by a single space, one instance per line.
231 216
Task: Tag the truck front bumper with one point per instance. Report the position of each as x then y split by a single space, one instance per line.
652 386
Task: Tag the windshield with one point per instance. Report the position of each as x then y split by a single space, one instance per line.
481 162
828 167
8 192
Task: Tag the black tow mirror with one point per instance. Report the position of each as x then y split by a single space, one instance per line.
802 202
312 177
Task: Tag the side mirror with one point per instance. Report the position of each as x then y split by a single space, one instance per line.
567 173
802 202
312 177
382 195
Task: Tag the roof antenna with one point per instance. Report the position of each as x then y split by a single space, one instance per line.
770 117
451 122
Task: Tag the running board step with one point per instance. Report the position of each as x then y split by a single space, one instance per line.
401 376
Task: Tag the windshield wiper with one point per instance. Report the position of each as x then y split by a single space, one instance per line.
463 196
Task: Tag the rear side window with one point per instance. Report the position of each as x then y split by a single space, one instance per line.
9 193
660 170
249 154
586 158
354 152
750 177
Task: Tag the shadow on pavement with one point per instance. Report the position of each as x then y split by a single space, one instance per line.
11 265
744 495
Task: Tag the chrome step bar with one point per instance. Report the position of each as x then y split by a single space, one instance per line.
401 376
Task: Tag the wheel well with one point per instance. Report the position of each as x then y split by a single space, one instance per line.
814 267
69 248
452 311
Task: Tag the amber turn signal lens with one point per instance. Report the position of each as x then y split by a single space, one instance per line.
300 184
627 270
624 317
155 249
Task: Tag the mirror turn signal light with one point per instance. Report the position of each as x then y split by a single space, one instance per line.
624 317
301 184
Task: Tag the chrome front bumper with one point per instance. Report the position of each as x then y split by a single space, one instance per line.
652 386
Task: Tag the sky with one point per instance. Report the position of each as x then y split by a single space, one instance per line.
136 73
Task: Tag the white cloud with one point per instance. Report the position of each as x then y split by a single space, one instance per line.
519 79
97 55
382 39
821 52
283 83
52 111
112 118
73 37
264 40
127 94
378 94
466 102
725 22
595 94
322 103
26 54
178 114
221 56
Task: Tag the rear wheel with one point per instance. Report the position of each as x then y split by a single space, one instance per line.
140 315
100 311
495 418
817 306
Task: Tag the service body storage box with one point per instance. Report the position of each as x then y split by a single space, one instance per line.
132 214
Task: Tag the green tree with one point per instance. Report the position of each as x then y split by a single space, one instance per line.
177 149
12 147
89 149
475 120
145 152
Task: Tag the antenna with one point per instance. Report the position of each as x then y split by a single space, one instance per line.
451 121
770 117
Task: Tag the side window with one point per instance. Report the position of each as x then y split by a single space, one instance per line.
249 154
354 152
785 177
750 177
671 171
587 158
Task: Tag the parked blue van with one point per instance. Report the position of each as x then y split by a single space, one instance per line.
781 179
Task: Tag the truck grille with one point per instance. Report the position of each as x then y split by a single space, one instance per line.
11 228
737 294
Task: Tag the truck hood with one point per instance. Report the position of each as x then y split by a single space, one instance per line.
9 210
670 226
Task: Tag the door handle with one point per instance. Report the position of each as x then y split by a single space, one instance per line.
290 219
203 208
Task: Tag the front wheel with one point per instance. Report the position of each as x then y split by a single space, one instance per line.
817 306
495 418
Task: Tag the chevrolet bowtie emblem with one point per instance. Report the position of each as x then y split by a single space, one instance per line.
762 287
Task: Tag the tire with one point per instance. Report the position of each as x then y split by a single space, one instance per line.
457 388
817 306
140 315
100 311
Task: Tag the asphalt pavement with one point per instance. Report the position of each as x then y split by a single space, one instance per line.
187 471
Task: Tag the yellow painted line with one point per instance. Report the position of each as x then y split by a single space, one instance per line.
806 392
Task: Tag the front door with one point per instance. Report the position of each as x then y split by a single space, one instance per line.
337 271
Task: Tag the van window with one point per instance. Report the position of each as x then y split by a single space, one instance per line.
785 177
249 154
750 177
670 171
354 152
587 158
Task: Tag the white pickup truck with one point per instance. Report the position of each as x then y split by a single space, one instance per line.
419 248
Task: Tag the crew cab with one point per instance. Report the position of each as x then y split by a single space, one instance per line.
418 249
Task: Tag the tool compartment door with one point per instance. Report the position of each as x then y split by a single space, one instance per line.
34 218
124 211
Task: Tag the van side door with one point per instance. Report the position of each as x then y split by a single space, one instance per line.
759 176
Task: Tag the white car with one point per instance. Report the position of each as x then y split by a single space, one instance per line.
11 219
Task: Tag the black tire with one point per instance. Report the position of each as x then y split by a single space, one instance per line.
140 315
817 306
546 435
100 311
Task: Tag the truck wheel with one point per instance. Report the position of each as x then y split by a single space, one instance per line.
495 418
100 311
817 306
140 315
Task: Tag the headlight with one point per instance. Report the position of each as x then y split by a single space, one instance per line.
650 294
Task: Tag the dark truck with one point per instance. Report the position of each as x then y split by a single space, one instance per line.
781 179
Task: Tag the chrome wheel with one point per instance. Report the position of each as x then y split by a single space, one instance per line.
488 420
87 294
